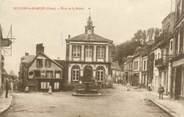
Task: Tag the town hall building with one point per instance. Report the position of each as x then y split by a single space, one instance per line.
88 56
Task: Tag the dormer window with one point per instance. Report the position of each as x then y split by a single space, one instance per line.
47 63
39 63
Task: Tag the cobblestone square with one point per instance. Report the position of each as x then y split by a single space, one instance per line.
116 102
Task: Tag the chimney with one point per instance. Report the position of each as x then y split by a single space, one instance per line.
39 48
26 54
69 36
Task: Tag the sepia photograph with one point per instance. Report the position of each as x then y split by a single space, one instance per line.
91 58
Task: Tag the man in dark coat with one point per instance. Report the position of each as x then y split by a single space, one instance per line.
160 92
7 87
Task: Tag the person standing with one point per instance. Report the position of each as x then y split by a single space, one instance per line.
160 92
11 85
50 89
7 87
149 87
128 86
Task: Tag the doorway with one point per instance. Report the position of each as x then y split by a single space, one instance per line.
178 82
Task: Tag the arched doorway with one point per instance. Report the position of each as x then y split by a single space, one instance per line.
88 74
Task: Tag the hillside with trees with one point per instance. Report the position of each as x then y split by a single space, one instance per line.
128 48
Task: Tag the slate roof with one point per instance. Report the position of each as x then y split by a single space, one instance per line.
29 59
161 44
89 38
61 62
4 72
42 54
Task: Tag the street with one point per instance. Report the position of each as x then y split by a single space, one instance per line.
116 102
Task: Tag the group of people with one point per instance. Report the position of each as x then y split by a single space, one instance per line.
160 91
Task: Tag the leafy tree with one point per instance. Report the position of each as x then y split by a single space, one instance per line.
125 49
140 36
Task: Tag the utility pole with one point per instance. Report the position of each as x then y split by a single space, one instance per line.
89 11
171 5
4 42
1 37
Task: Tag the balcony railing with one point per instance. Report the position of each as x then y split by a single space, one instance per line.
178 56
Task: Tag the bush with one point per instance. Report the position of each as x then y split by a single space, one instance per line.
109 82
68 87
1 92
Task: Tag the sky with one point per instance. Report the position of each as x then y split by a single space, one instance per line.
50 21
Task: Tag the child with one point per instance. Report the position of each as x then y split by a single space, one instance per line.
50 89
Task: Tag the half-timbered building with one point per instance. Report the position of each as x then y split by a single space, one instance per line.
38 72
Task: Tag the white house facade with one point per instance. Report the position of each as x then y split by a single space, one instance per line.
156 79
88 56
144 78
137 70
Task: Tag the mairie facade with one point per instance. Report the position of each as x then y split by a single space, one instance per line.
88 56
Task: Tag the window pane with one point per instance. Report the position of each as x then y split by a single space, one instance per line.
37 73
100 74
88 51
100 52
76 51
56 85
75 74
48 84
43 74
39 63
49 74
43 85
47 63
58 74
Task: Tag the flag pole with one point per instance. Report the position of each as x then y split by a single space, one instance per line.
171 6
1 37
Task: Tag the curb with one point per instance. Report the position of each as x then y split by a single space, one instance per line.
86 95
172 114
9 105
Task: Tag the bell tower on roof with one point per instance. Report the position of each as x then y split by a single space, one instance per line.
89 28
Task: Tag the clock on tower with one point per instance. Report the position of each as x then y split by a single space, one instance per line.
89 28
89 32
